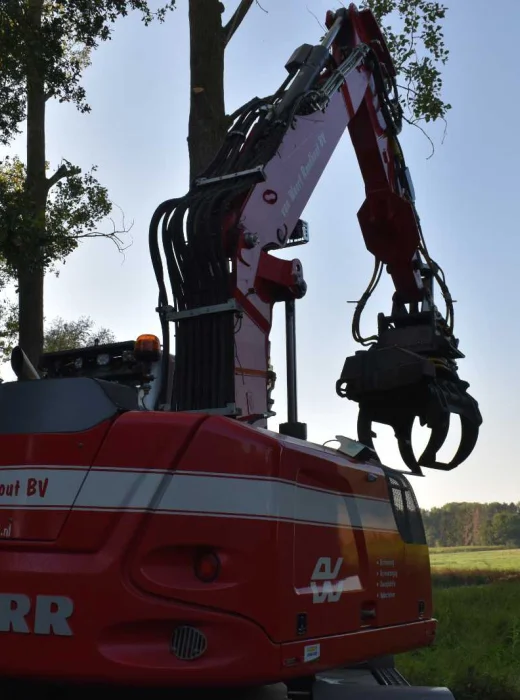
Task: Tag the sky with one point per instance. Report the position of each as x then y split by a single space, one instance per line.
467 198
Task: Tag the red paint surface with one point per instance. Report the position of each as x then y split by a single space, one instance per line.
131 575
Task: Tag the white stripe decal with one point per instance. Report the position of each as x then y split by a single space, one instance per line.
188 493
120 489
274 500
36 487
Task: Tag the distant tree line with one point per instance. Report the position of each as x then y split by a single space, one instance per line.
473 524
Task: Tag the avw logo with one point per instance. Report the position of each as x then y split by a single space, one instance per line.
324 584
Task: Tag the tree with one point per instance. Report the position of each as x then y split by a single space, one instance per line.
418 50
473 524
74 206
9 329
44 47
506 529
67 335
58 335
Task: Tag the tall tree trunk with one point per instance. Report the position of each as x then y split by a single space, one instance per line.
31 273
207 123
30 312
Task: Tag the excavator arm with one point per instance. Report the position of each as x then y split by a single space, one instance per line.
217 242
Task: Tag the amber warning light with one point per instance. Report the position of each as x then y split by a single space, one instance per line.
147 348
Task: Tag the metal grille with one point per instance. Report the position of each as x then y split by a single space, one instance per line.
389 676
410 502
406 509
188 643
398 499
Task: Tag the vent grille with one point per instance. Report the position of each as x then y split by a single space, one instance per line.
188 643
406 509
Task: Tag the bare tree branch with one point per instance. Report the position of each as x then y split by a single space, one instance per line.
236 19
62 172
316 18
445 133
414 123
114 235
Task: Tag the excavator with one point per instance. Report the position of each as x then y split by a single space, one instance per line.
154 532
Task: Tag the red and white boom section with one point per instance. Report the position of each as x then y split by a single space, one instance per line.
224 282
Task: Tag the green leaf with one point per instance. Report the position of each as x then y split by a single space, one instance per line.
416 41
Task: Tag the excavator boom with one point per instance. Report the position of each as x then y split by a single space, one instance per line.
218 241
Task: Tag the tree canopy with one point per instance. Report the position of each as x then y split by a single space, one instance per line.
45 45
55 38
59 334
74 207
414 33
68 335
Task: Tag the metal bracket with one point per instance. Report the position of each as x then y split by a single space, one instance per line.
258 172
171 315
229 410
254 417
300 235
353 448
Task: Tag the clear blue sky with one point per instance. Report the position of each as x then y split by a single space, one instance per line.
467 197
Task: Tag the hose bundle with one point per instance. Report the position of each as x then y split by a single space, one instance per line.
197 261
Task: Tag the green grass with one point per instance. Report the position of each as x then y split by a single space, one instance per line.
472 548
477 604
477 651
492 559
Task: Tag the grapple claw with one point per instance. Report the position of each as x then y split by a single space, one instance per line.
448 394
404 442
468 440
394 386
437 439
403 433
364 428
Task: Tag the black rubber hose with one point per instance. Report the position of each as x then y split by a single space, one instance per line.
153 244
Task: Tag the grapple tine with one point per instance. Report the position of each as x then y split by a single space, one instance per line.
437 439
468 440
450 396
364 428
404 442
402 431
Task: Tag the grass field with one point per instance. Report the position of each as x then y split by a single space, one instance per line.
472 558
477 605
472 548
